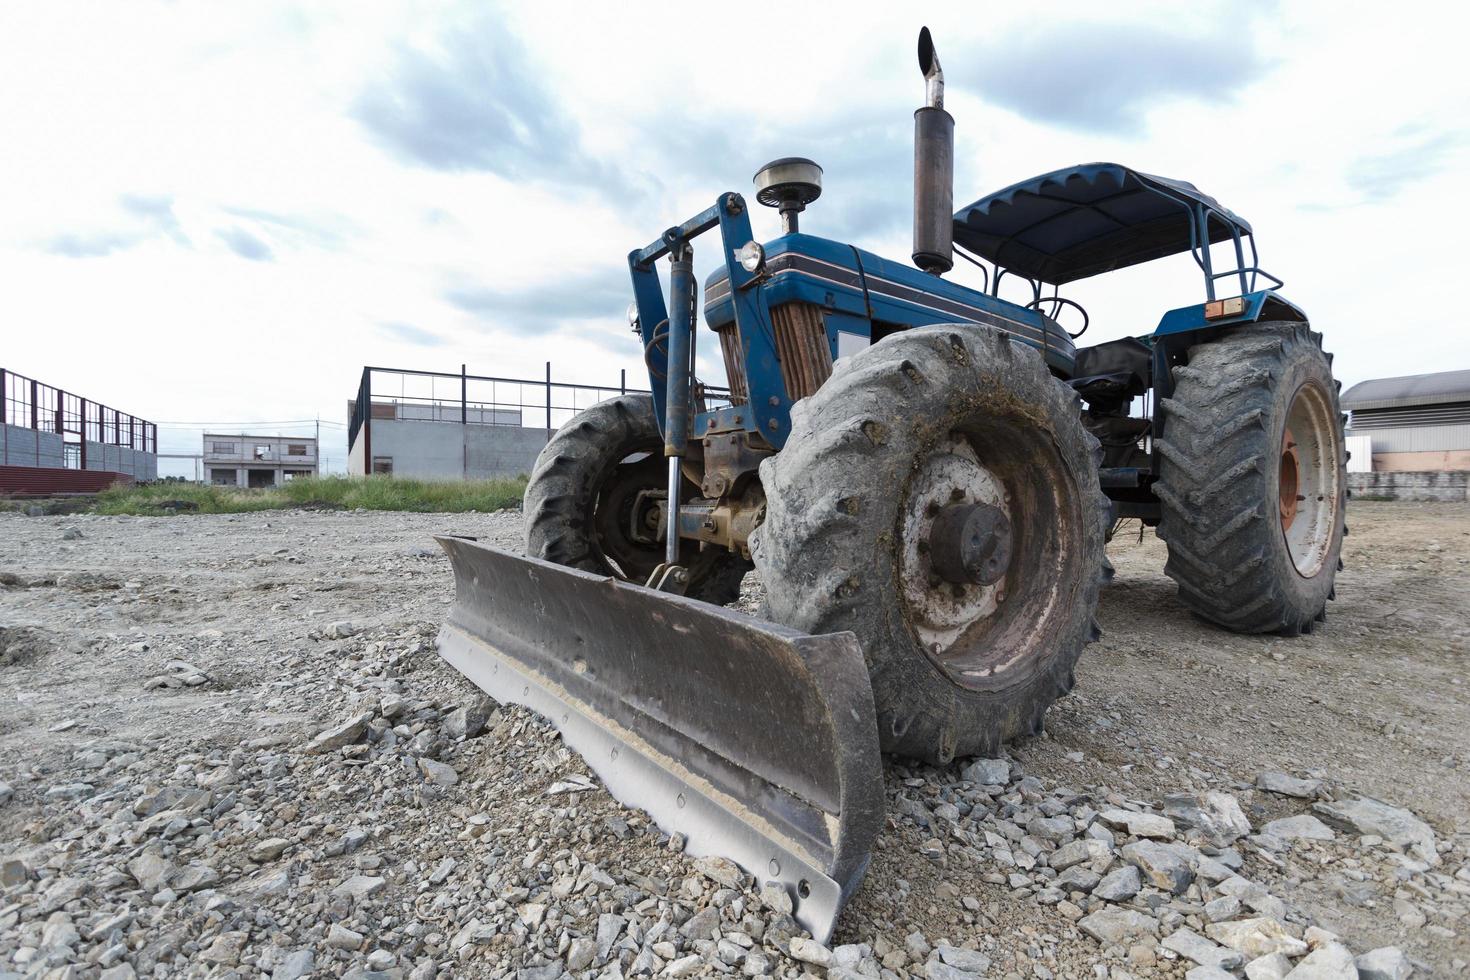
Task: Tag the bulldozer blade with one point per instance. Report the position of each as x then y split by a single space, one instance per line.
756 742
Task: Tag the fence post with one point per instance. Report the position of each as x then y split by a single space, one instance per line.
623 381
548 399
84 436
464 390
367 421
4 397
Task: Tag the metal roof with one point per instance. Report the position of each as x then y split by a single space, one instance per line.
1088 219
1413 389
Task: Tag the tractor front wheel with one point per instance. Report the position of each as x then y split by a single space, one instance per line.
938 496
1253 481
593 502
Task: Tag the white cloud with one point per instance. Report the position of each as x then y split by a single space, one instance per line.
150 150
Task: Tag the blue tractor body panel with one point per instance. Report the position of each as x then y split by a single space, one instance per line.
836 299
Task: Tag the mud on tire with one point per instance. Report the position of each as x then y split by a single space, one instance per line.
579 500
1243 554
961 410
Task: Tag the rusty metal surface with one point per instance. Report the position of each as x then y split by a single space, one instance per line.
757 742
801 343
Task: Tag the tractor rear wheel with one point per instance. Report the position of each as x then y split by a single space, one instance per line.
1253 480
938 496
591 502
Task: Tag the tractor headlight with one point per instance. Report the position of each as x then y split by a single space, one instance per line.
751 256
633 316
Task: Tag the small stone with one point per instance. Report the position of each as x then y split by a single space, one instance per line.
1208 973
1256 937
294 965
1330 961
1284 785
775 897
467 721
685 966
381 959
1369 816
987 772
121 971
1272 966
1213 816
1384 963
194 878
756 965
359 887
1078 879
1115 926
341 630
810 951
342 735
532 913
152 870
341 937
1139 824
269 849
1082 851
13 871
1119 885
721 871
1222 908
226 948
1188 943
704 924
437 773
1303 826
1164 865
580 954
609 927
968 960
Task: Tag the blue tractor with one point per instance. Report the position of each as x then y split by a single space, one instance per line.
925 468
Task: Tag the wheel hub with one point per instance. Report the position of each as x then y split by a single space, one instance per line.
1290 479
956 542
970 544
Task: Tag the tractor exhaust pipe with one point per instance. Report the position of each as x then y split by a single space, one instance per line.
933 169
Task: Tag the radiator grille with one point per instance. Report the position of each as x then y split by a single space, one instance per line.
734 364
801 345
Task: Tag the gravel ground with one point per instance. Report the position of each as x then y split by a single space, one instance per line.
227 748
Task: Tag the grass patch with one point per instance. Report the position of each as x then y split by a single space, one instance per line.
335 492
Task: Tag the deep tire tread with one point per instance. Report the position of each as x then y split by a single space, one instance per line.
1217 481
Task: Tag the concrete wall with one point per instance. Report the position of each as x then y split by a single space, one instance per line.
450 451
139 465
1447 460
1411 486
27 447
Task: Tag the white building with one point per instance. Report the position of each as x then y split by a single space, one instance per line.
1419 423
257 461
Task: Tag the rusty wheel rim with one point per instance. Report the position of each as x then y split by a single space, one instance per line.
1309 478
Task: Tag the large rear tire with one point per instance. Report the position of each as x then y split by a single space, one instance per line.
926 425
1253 480
581 498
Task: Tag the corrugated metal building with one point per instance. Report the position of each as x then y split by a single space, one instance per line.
1419 423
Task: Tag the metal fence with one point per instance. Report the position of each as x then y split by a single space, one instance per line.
397 394
30 404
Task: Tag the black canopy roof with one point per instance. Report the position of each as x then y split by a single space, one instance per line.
1085 220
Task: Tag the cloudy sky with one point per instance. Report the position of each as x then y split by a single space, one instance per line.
220 212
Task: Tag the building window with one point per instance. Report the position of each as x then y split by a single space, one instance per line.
383 464
222 478
296 449
222 448
262 452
